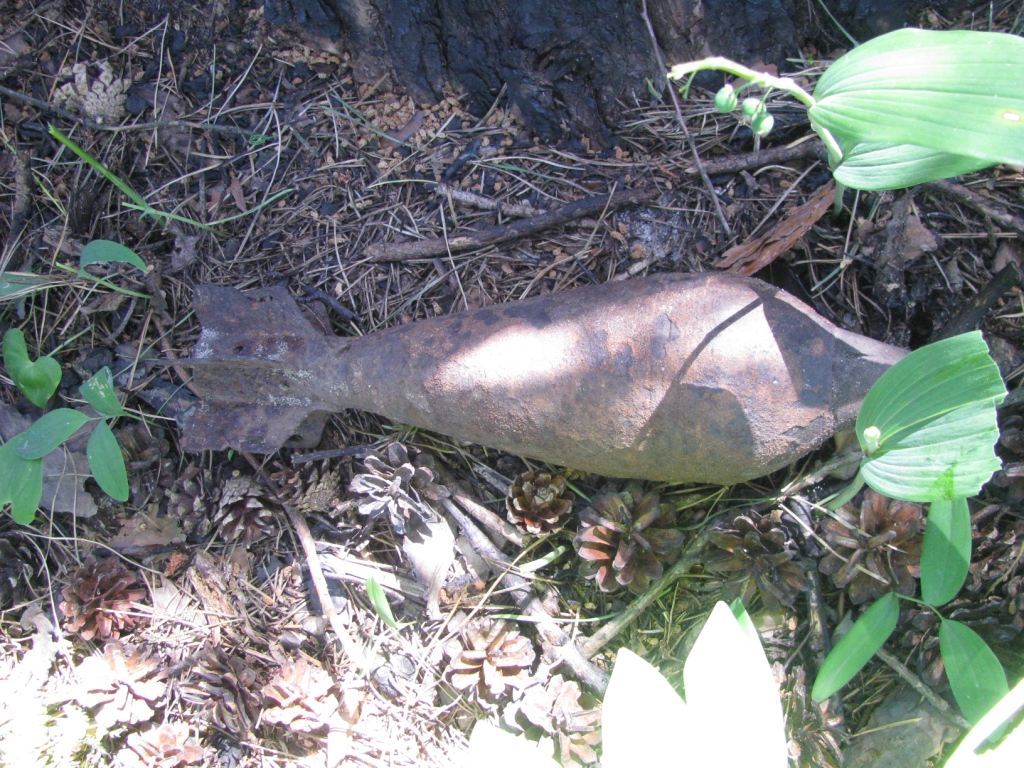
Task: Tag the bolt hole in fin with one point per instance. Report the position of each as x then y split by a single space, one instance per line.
238 349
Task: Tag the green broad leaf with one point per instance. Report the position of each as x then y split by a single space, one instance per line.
106 462
928 425
380 603
106 251
640 708
857 646
958 92
975 674
872 166
14 285
21 482
728 680
39 379
946 553
99 393
49 432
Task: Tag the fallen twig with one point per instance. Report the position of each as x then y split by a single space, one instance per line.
973 312
979 203
578 209
493 522
929 695
557 645
316 573
806 150
486 203
691 555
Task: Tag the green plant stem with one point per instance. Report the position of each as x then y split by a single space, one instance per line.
786 84
845 495
756 78
101 281
102 169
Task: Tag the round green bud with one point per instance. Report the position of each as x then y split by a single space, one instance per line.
753 106
762 124
725 99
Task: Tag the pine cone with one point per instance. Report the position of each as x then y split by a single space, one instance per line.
495 657
98 598
189 501
757 553
299 697
559 709
165 746
228 690
539 502
316 490
116 683
397 488
812 742
885 540
625 539
246 512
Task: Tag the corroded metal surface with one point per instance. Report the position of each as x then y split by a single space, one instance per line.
707 377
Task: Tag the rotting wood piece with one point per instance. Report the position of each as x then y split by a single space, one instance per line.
702 378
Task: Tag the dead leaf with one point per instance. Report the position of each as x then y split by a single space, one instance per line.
183 253
430 549
171 604
235 188
144 531
918 239
748 258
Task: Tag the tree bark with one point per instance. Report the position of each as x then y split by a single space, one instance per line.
571 67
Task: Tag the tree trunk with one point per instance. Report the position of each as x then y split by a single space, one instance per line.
571 66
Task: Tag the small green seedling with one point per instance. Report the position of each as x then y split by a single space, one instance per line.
37 379
906 107
380 603
21 458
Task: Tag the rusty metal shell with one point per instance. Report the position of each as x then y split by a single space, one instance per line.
710 377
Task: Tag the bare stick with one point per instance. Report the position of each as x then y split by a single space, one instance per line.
983 205
578 209
686 130
811 149
557 644
929 695
316 573
495 524
486 203
691 555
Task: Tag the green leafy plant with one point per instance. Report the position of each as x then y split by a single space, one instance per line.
728 680
927 430
906 107
21 474
21 458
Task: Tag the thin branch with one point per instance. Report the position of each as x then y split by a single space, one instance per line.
686 130
439 246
